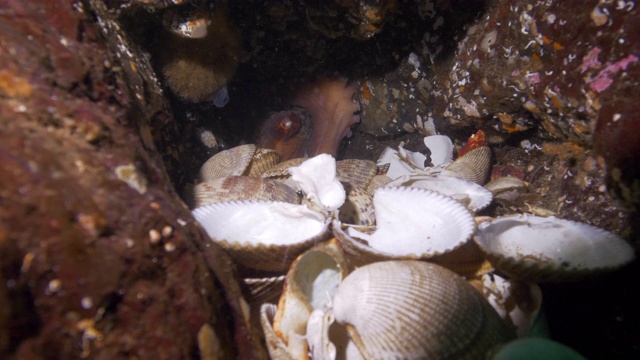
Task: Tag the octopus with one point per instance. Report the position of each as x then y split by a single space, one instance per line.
321 115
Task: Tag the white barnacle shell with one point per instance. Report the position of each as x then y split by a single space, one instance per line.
258 234
416 310
547 248
317 178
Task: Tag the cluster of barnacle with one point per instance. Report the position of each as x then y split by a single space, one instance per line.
387 260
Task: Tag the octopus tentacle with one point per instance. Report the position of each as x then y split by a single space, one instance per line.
333 110
323 114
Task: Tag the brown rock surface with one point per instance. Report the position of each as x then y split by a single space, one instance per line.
99 258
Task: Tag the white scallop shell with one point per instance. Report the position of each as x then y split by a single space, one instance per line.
258 234
472 195
416 310
547 248
416 223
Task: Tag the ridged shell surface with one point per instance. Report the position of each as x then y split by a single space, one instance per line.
470 194
258 234
358 208
231 162
417 223
355 172
242 188
473 166
377 182
547 248
263 160
275 345
505 183
416 310
281 170
311 282
264 289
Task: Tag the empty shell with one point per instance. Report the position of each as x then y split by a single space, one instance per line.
258 234
411 223
231 162
242 188
473 166
416 310
472 195
547 248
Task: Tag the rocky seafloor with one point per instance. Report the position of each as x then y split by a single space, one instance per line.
99 256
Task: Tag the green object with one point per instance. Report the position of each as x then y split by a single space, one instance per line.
540 328
534 349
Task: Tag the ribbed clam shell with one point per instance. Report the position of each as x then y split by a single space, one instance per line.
473 166
310 284
281 170
275 345
539 249
377 182
416 310
358 208
411 223
231 162
258 234
518 303
355 172
263 160
470 194
263 289
505 183
242 188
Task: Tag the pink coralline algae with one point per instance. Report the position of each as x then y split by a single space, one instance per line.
602 81
533 78
590 61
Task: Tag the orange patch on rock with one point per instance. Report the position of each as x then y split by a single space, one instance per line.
14 86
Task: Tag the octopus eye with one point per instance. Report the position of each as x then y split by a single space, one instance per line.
286 124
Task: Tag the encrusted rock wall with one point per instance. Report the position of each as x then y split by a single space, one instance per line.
99 258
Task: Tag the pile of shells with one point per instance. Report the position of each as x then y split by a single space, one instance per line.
388 259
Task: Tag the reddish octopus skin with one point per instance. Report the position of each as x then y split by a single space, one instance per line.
287 132
333 110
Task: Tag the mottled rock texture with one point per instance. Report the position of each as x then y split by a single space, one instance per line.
99 258
88 267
